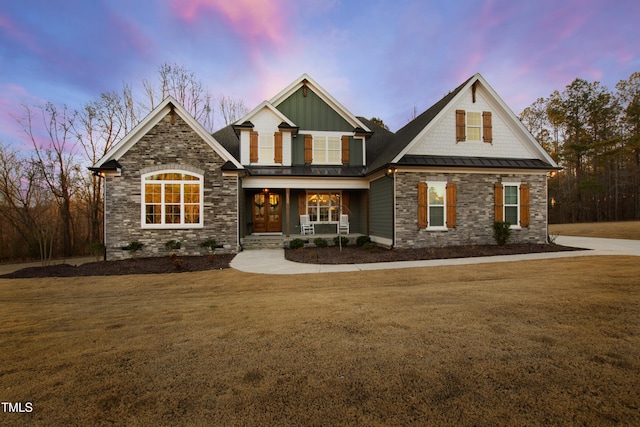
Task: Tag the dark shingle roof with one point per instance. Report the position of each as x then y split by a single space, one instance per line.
229 140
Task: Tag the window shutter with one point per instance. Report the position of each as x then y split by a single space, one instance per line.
422 205
460 126
524 205
302 204
345 149
308 149
487 135
277 157
498 202
451 206
345 202
253 147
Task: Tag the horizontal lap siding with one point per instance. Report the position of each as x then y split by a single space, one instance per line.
381 208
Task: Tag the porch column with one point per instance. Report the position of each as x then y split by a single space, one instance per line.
287 213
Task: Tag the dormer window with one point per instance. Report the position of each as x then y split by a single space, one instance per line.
265 147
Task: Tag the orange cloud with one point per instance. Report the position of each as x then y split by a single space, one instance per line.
255 20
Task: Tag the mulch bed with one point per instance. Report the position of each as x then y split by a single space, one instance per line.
157 265
359 255
328 255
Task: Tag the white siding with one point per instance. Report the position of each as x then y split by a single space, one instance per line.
440 140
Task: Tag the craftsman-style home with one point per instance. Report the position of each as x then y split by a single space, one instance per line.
301 165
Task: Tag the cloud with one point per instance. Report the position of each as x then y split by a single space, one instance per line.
260 23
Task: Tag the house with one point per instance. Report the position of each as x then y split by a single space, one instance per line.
443 179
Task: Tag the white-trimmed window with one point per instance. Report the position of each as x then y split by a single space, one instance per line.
512 204
172 199
323 206
437 205
327 149
266 147
474 126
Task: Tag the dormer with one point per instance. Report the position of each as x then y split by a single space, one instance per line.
265 137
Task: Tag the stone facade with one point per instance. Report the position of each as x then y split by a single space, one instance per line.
474 209
170 146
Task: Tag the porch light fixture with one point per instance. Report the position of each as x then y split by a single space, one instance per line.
266 190
391 171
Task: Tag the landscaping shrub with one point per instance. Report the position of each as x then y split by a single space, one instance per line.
320 242
209 245
370 246
172 245
345 240
501 232
133 247
296 244
361 240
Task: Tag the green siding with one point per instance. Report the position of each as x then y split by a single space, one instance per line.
297 150
312 113
355 152
381 208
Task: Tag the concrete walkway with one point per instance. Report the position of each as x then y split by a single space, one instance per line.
272 261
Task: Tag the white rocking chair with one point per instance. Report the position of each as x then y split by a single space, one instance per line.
305 225
344 224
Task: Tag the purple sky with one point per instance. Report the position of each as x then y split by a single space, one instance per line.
378 58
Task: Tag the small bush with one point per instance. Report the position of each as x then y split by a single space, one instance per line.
296 244
345 240
361 240
370 246
172 245
320 242
209 244
133 247
97 250
501 232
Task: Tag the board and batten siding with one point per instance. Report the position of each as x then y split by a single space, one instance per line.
312 113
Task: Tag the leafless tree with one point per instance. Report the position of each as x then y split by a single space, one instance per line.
231 109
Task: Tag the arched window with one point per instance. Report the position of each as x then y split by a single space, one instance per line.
172 199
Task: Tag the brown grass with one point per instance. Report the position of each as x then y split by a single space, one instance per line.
611 230
553 342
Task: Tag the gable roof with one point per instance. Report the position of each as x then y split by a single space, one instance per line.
411 133
306 80
271 108
152 119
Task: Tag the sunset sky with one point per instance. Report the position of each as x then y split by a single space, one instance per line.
378 58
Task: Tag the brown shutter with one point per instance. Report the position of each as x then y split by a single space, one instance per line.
451 206
461 126
345 149
487 134
277 157
498 203
253 147
308 149
524 205
302 203
345 202
422 205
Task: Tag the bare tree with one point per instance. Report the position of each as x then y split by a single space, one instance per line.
54 159
231 109
25 204
186 88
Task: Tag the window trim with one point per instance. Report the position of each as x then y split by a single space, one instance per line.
443 227
326 136
468 126
270 160
163 225
329 192
518 205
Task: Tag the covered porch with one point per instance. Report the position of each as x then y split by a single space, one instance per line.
273 208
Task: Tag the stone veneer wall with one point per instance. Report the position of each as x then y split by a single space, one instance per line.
474 209
168 146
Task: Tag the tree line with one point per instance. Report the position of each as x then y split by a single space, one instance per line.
50 204
594 135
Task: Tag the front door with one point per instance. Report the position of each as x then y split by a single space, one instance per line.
267 211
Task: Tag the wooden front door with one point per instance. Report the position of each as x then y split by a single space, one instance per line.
267 213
